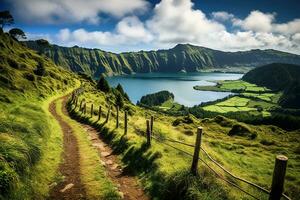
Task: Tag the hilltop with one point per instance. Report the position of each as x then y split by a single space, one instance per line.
183 57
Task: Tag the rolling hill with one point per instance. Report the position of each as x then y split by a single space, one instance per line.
185 57
280 77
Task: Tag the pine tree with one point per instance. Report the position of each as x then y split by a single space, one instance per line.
103 84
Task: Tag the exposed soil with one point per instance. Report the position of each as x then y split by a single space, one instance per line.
128 187
71 187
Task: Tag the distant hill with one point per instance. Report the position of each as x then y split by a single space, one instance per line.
183 57
281 77
276 76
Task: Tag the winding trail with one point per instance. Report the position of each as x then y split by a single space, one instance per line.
127 185
70 167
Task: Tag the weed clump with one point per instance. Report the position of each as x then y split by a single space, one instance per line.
186 120
242 130
29 76
267 142
40 69
223 121
184 185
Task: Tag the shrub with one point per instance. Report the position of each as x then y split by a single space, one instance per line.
242 130
29 76
40 69
14 64
267 142
8 178
184 185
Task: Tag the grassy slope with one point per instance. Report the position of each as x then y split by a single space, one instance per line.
252 159
31 140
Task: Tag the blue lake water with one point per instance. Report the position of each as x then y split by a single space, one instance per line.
180 84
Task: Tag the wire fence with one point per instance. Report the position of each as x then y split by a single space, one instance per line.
166 140
162 141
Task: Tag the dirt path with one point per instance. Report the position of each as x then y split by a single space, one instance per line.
128 186
71 187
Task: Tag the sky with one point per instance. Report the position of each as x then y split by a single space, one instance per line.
133 25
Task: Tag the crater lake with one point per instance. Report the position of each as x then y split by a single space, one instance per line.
180 84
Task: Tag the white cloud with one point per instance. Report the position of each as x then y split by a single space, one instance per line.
133 29
292 27
177 21
72 11
256 21
222 16
129 31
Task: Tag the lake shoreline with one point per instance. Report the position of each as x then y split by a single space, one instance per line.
180 84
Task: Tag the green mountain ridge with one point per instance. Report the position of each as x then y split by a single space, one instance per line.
185 57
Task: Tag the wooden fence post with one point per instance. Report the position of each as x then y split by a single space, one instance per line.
108 114
80 107
117 118
151 124
76 103
99 113
278 177
194 167
148 133
125 122
92 110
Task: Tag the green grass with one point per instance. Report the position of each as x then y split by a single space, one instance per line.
251 98
227 86
27 130
170 105
252 159
234 104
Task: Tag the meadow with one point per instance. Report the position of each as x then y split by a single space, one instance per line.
162 169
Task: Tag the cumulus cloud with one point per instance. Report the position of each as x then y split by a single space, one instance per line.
129 31
256 21
177 21
222 16
72 11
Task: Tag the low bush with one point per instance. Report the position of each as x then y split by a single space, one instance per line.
184 185
242 130
266 142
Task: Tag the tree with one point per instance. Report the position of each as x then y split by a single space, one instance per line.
17 33
6 18
120 89
119 100
103 84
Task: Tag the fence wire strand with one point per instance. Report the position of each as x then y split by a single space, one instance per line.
232 175
80 90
